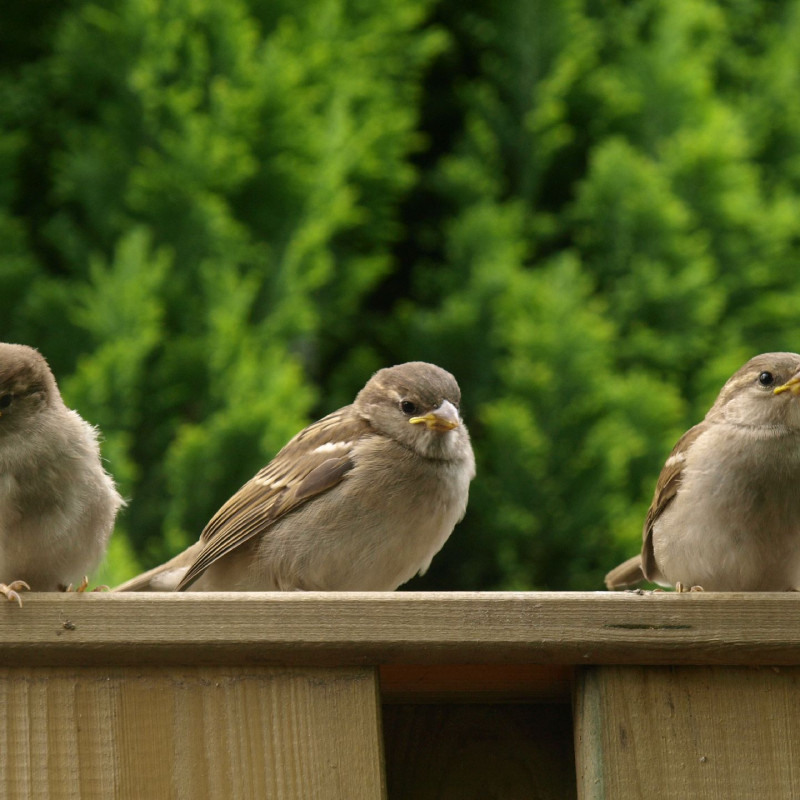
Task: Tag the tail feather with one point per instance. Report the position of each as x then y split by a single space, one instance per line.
626 575
164 578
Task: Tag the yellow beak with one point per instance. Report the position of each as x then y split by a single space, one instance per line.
442 419
792 385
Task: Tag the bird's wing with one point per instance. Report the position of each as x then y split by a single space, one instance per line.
667 486
314 461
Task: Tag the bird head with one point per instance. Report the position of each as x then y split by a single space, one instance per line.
26 384
417 405
763 394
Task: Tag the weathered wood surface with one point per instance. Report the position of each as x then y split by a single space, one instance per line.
190 732
279 696
402 628
731 733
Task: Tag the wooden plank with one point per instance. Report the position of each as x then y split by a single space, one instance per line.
402 628
190 732
479 751
477 683
677 732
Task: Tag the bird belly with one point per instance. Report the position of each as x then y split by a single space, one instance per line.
52 540
750 543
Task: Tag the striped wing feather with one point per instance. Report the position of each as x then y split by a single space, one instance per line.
314 461
669 482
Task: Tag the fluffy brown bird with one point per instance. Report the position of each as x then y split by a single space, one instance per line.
57 503
726 510
361 500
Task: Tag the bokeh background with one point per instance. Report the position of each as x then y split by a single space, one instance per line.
219 217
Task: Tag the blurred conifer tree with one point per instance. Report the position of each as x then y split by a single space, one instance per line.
218 217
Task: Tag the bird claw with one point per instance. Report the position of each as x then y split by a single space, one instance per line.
83 586
10 590
681 588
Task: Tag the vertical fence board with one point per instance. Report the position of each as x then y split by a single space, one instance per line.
677 732
189 732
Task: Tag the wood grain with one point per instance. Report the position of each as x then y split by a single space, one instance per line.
680 732
190 733
276 695
402 628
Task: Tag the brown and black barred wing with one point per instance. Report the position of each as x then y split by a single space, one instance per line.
667 486
313 462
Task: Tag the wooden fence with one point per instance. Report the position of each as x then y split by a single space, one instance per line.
485 696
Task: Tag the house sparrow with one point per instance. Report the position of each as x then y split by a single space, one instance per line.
361 500
57 503
726 510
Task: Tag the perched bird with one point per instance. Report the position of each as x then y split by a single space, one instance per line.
361 500
726 510
57 503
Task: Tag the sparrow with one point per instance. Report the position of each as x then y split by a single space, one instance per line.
361 500
57 502
726 511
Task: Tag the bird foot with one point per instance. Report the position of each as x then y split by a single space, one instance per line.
11 590
81 587
681 587
84 585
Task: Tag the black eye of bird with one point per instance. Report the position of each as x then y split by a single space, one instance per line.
5 401
766 379
407 407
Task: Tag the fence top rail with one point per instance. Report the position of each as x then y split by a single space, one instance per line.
314 628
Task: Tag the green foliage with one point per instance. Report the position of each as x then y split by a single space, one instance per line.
218 217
